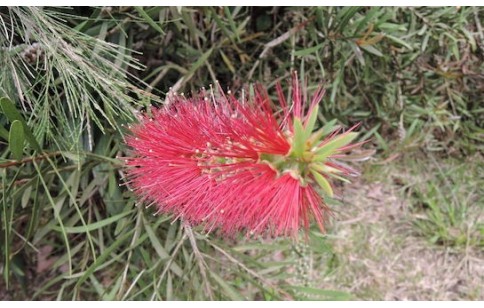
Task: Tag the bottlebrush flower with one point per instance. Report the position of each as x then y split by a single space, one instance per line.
236 165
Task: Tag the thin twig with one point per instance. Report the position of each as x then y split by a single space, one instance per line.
277 41
130 254
201 262
167 266
248 270
29 159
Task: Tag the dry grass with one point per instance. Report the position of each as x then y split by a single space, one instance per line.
379 257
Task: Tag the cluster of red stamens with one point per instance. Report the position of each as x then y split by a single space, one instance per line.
236 165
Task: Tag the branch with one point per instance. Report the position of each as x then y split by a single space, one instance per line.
29 159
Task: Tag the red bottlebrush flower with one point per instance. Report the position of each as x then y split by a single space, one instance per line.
235 165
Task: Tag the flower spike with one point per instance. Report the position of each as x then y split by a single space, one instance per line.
237 165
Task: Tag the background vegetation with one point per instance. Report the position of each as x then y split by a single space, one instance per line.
72 77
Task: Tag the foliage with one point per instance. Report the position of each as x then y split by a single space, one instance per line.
69 84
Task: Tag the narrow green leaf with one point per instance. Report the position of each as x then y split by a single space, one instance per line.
97 286
470 38
219 23
36 208
399 41
148 19
252 246
16 139
323 294
227 61
6 219
372 50
231 292
321 167
381 141
299 138
358 53
335 86
231 22
342 179
371 132
83 26
56 214
311 121
329 148
8 108
391 27
93 226
345 15
3 133
308 51
198 63
188 19
425 41
111 295
160 250
321 180
360 156
373 12
412 128
325 130
330 171
328 127
100 260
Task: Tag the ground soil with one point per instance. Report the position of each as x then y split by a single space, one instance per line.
380 258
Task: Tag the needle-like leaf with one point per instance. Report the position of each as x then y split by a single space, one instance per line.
332 146
323 183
